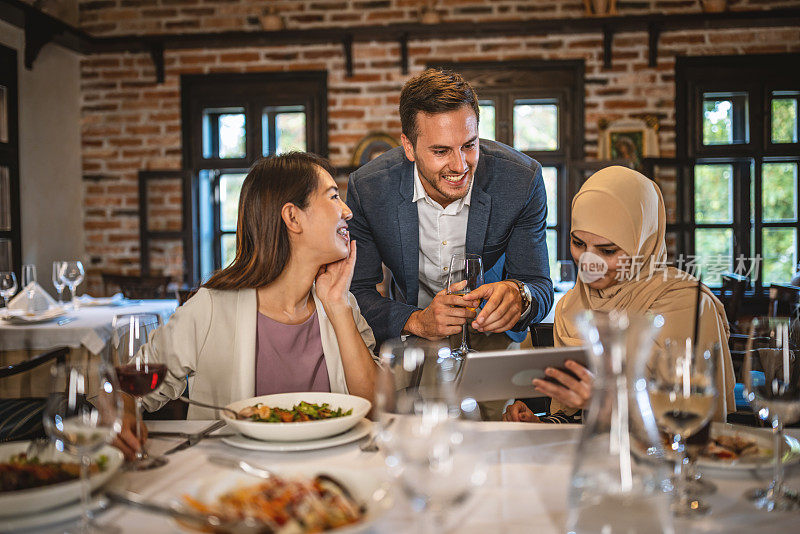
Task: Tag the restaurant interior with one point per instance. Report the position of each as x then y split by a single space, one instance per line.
127 128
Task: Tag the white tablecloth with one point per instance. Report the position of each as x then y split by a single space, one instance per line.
91 327
526 490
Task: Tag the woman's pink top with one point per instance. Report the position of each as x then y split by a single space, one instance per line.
289 357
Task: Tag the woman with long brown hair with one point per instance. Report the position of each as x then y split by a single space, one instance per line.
280 318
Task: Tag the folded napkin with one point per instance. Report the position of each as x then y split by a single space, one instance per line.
40 302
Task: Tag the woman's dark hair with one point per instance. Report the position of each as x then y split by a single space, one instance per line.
262 240
434 91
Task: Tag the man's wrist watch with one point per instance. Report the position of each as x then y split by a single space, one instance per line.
524 294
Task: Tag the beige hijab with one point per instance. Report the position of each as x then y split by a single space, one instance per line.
626 208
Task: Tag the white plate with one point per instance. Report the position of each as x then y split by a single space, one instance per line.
366 488
762 437
15 503
19 317
357 432
300 431
51 517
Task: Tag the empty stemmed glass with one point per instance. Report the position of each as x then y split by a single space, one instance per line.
58 282
772 348
681 383
430 447
72 275
137 373
8 287
82 414
465 275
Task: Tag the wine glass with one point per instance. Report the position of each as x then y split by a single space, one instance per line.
8 286
72 275
137 373
58 282
82 414
772 348
465 275
429 444
681 383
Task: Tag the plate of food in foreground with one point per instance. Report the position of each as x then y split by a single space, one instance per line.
294 500
736 448
30 485
297 416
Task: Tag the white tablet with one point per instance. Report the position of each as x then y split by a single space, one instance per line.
499 375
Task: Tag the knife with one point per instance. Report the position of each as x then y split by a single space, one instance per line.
194 439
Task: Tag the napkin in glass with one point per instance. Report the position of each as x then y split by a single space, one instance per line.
40 302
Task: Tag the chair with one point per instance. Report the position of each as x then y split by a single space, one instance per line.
137 287
21 419
783 300
732 294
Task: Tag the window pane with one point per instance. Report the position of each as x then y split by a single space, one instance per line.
228 248
486 126
780 255
535 125
713 193
779 192
713 253
224 133
230 185
5 200
283 129
290 131
552 254
717 122
206 220
724 118
784 120
550 175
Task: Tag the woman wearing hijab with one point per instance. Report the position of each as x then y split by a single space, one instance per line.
619 221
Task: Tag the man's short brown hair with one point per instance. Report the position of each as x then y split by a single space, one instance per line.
434 91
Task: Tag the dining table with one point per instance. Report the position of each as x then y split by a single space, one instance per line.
529 467
86 331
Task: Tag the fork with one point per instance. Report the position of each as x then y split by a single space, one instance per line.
372 444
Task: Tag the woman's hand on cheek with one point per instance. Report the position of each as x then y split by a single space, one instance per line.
333 279
570 391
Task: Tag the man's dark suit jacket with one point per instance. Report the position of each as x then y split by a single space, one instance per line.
506 226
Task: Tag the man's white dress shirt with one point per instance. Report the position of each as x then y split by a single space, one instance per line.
442 233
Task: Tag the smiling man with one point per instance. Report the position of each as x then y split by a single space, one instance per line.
442 192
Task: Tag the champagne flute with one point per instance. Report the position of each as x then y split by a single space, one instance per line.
137 373
82 414
465 275
58 282
681 383
72 275
772 348
429 446
8 286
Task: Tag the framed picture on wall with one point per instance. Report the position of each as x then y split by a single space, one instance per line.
629 139
372 146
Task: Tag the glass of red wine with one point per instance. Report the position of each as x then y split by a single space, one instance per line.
137 373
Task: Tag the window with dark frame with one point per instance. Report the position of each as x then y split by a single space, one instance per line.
10 217
737 135
231 120
537 108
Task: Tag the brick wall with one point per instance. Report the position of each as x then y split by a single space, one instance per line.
131 123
